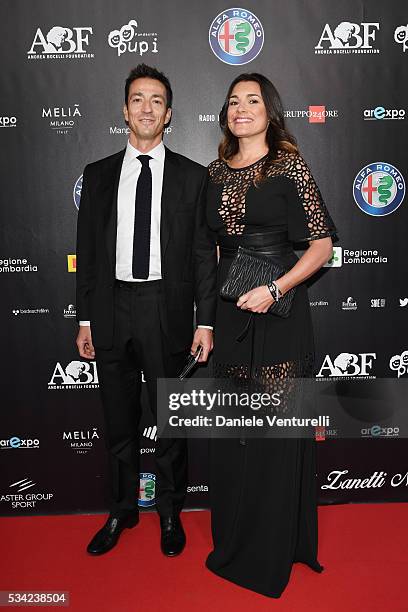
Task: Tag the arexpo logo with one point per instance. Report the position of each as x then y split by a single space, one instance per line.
380 113
236 36
7 122
81 440
15 442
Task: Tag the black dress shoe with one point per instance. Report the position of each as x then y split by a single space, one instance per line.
173 538
108 536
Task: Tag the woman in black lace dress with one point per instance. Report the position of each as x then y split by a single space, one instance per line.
264 515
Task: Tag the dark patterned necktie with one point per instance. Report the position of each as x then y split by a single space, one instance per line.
143 210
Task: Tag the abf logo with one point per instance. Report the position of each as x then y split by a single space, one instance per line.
348 37
236 36
347 364
399 364
71 263
336 260
147 490
76 375
61 42
379 189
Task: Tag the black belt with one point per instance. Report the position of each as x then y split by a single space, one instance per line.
267 243
153 285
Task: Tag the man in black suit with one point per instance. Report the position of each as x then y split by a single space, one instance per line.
144 256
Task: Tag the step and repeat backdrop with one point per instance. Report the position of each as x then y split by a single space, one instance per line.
340 69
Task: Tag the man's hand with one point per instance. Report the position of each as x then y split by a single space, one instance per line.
84 342
257 300
202 337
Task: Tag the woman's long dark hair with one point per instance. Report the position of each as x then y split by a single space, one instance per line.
277 136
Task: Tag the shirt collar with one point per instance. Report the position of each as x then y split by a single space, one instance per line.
157 153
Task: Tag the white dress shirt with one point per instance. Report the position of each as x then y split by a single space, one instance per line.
129 176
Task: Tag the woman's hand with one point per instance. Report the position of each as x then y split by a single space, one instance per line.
256 300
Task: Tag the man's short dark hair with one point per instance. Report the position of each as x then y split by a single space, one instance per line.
142 71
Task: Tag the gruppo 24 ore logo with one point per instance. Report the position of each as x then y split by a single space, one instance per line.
236 36
379 189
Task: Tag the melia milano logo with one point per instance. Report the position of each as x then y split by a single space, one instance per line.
82 440
379 189
348 37
128 39
76 375
236 36
61 119
61 43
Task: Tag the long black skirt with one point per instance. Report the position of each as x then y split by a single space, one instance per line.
263 491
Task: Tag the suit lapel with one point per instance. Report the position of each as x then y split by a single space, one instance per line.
111 218
171 194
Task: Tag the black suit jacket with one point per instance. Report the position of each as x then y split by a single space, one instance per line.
188 253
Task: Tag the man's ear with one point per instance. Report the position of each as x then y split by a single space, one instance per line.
168 116
126 114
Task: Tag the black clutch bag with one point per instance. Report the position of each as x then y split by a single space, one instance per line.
250 269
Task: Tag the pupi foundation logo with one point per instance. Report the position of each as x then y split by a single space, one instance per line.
127 39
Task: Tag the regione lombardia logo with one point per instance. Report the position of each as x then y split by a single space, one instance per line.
379 189
236 36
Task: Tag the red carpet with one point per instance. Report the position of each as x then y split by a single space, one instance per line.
362 547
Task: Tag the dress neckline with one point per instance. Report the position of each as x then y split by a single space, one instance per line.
246 167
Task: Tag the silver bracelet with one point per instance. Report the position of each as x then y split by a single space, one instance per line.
275 292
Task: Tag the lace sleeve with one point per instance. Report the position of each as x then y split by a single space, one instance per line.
308 216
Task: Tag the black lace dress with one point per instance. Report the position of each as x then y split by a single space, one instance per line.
263 491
